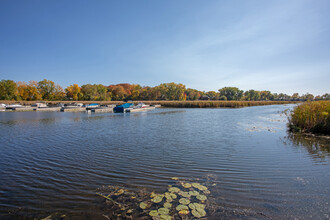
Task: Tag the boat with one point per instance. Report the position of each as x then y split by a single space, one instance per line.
122 108
74 105
15 106
92 106
39 105
141 105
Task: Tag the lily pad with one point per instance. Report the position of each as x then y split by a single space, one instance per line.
167 205
143 205
196 206
153 213
206 192
182 207
198 213
186 185
193 193
169 200
184 212
158 198
184 194
174 178
174 189
165 217
184 201
170 195
201 197
199 186
163 211
152 195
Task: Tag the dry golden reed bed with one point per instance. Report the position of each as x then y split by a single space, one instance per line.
176 104
311 117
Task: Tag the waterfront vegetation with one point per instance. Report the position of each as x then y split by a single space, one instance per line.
47 90
311 117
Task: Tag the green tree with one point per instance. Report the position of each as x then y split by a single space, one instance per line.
8 90
46 89
231 93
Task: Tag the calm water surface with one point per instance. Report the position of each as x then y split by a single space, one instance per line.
53 162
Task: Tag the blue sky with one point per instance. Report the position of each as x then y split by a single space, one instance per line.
281 46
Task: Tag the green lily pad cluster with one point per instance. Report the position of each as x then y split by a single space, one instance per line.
157 198
197 210
181 200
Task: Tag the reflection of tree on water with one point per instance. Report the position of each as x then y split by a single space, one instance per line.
318 147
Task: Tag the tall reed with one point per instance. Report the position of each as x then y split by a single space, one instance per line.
311 117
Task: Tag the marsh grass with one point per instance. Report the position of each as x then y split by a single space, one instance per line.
174 104
311 117
215 104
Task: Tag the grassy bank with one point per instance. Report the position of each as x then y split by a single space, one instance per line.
311 117
215 104
174 104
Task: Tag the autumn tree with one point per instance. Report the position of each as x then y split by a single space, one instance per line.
73 92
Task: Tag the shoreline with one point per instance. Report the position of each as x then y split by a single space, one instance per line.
170 104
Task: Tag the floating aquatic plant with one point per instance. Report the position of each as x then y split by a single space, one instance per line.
199 186
143 205
186 185
184 194
165 217
174 178
182 207
196 206
158 198
201 197
184 201
193 193
184 212
153 213
198 213
174 189
163 211
167 205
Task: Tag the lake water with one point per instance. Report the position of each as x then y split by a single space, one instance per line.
53 163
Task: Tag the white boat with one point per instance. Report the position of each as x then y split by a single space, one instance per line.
39 105
141 105
75 105
14 106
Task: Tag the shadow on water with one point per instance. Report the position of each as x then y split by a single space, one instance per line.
317 147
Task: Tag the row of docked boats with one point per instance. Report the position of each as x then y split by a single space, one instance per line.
94 107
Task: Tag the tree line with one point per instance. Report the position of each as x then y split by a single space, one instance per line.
48 90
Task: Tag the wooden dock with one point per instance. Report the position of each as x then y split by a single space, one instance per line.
140 109
82 109
24 109
50 109
98 110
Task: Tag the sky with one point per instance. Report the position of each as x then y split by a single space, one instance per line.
281 46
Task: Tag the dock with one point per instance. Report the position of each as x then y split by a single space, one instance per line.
140 109
22 109
98 110
50 109
79 109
